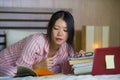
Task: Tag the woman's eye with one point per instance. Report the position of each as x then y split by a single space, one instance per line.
66 30
55 28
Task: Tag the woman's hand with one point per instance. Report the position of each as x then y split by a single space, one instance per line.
46 63
81 53
50 62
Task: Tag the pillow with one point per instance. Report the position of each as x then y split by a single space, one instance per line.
13 36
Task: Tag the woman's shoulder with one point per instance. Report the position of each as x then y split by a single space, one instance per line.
38 36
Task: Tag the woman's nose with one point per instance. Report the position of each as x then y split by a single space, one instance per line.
60 32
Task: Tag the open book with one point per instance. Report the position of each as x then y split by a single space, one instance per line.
25 71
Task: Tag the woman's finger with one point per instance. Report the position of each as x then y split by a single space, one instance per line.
50 62
82 52
50 59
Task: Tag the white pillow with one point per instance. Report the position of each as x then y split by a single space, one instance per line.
13 36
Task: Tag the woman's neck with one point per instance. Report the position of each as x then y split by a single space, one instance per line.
54 47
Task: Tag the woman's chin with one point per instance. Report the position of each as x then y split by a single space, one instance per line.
59 43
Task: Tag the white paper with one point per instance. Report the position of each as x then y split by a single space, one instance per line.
109 61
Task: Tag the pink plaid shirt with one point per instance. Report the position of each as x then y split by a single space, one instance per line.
29 51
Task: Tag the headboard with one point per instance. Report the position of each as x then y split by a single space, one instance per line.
23 19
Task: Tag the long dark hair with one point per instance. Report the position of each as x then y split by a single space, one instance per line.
68 18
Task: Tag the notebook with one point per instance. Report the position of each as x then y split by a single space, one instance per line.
106 61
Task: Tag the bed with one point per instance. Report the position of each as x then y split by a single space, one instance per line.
17 23
66 77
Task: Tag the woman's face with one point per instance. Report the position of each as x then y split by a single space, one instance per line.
59 32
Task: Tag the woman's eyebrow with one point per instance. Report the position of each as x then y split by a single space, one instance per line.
59 26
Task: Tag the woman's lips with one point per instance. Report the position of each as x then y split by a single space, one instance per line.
59 39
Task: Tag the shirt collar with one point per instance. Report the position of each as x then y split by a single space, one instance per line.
58 53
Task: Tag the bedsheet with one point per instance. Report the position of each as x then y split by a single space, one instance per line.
67 77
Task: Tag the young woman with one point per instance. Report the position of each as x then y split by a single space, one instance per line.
50 50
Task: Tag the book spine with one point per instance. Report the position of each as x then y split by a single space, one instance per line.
83 70
82 64
72 62
81 58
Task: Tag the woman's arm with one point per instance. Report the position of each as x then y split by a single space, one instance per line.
29 53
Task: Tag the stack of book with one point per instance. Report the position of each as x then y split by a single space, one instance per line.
82 65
